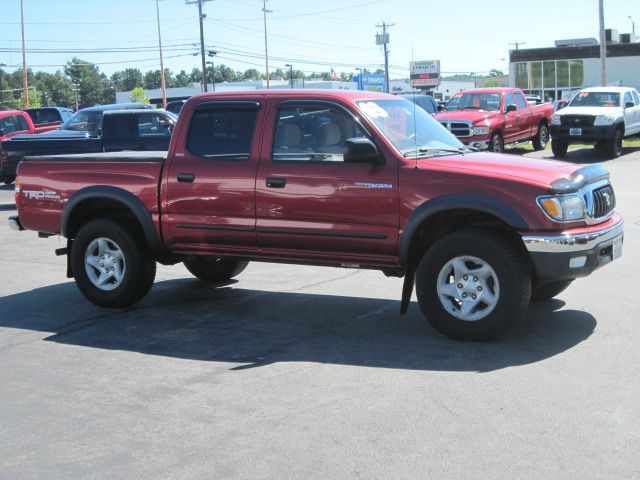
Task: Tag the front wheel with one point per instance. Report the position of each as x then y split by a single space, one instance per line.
110 264
542 137
213 269
472 284
614 147
496 144
559 148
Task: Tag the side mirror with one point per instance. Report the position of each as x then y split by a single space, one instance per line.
629 105
1 132
511 108
440 108
362 150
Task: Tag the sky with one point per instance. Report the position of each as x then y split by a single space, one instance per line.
465 35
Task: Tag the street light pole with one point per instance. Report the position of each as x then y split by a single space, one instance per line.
603 47
359 70
76 89
1 91
213 53
633 25
290 74
25 81
266 50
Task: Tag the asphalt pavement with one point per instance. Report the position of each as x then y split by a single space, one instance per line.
295 372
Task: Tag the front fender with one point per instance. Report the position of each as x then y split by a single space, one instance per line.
455 202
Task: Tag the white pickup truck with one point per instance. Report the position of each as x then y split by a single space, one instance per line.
598 115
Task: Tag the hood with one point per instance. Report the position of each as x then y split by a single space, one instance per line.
535 171
589 111
474 116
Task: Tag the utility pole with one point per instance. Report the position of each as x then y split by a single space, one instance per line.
213 53
603 47
517 44
162 84
383 39
25 81
266 50
290 74
201 17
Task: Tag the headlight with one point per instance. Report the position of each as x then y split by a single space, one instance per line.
603 120
480 130
563 208
555 120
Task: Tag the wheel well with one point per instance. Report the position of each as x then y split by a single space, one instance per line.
543 122
621 127
441 223
94 208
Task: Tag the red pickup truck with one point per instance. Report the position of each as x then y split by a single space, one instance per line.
490 118
335 178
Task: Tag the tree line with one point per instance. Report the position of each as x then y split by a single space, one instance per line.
96 88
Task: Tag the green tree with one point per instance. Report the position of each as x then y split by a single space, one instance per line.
137 95
496 73
92 82
127 79
182 79
57 87
491 83
152 79
251 74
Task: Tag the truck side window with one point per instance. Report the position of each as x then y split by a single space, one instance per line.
22 124
635 97
628 98
153 125
220 132
509 100
522 103
8 125
313 133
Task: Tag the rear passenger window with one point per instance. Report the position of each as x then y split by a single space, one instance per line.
48 116
153 125
314 132
22 123
220 132
522 103
635 97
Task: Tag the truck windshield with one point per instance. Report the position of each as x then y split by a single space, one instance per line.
596 99
84 122
410 129
489 102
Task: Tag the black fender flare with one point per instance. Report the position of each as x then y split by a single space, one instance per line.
454 202
128 199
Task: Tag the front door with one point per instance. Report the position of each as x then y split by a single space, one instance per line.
312 204
209 196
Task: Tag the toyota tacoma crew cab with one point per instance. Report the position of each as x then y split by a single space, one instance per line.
598 115
333 178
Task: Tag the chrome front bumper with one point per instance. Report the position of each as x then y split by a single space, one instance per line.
572 243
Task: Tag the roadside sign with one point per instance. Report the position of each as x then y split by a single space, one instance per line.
425 73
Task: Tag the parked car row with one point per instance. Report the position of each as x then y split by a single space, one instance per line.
106 128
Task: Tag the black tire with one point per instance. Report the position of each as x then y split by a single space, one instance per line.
214 269
559 148
139 266
8 180
496 144
541 139
549 290
513 283
614 146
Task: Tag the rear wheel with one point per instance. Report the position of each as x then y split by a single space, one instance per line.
496 144
614 147
559 148
214 269
549 290
542 137
472 284
110 263
8 180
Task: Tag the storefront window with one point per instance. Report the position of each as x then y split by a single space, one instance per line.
549 74
536 75
562 68
522 77
577 73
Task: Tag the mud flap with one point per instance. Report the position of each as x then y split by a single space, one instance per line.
407 289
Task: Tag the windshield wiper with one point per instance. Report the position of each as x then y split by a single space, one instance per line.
458 151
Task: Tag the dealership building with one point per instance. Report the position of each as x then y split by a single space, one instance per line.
556 72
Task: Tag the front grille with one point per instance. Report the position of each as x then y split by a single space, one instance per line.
577 120
458 127
604 201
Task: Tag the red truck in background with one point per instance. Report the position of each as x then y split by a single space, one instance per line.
334 178
46 119
14 122
490 118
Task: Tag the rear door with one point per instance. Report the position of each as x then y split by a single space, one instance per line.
524 118
309 202
209 194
